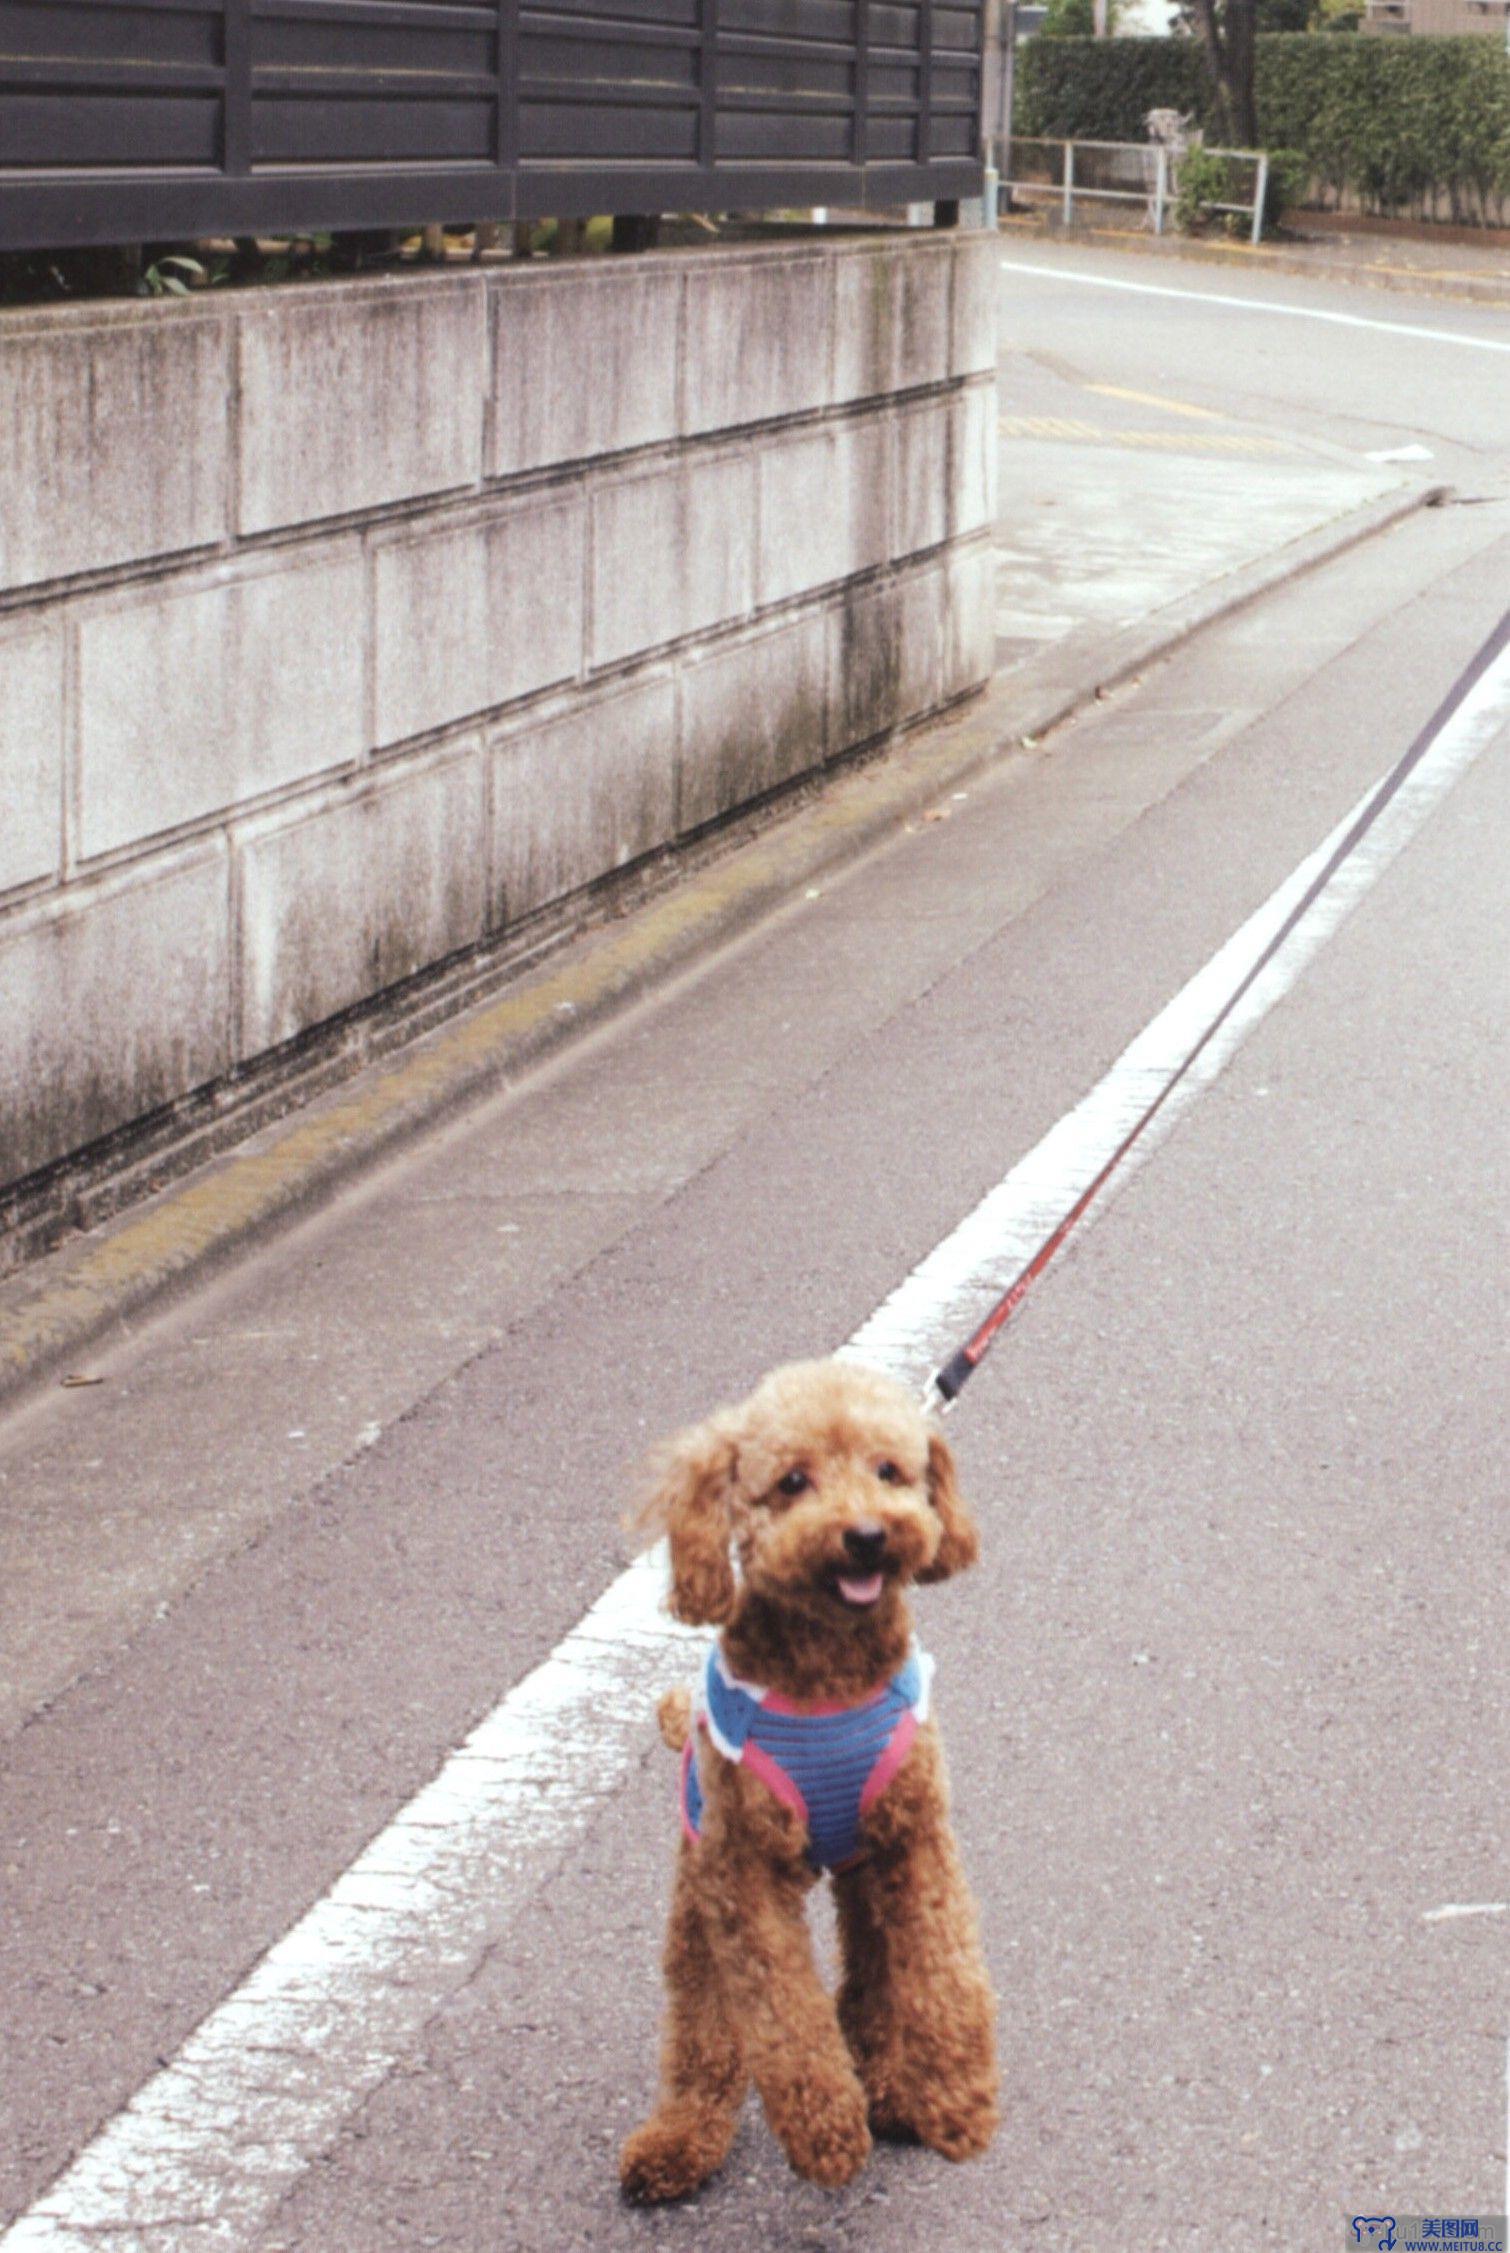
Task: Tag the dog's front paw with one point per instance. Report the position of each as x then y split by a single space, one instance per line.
958 2122
888 2122
824 2133
671 2155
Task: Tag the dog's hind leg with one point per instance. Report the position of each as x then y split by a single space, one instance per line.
703 2079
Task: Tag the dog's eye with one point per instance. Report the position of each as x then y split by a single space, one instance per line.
794 1482
892 1473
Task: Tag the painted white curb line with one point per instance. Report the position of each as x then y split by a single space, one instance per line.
1260 305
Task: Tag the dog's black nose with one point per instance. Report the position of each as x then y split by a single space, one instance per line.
866 1544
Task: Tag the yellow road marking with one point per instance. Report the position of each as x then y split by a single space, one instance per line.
1434 273
1156 399
1169 441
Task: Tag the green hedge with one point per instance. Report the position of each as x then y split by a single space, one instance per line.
1102 89
1391 125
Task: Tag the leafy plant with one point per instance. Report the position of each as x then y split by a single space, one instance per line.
1288 184
174 275
1203 181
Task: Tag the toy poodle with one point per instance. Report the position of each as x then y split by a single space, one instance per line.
796 1524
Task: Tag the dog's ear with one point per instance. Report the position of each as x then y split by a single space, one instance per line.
692 1487
960 1544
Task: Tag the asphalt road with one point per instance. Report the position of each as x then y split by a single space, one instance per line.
1225 1702
1367 371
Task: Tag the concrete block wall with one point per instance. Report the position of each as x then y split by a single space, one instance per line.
345 628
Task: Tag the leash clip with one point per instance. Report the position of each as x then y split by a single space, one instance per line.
935 1401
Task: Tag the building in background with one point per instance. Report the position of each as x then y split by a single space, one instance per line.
1483 19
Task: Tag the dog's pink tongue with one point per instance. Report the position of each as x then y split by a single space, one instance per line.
858 1591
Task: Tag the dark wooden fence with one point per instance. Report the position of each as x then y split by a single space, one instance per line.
130 120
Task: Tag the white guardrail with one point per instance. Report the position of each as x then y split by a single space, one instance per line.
1143 172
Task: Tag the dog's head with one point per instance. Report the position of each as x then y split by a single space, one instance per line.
827 1487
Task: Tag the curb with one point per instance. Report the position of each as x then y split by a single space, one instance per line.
87 1292
1263 258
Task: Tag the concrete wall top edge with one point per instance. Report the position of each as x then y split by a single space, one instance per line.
916 242
232 304
17 321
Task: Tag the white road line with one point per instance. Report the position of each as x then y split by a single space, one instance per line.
959 1282
1464 1909
203 2153
1258 305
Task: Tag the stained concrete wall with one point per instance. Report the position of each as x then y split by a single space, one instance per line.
345 628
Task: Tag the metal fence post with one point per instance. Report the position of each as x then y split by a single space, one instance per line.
1261 195
1160 188
1069 183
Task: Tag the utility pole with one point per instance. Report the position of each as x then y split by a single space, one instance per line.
1006 78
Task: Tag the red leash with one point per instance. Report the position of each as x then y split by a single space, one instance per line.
948 1381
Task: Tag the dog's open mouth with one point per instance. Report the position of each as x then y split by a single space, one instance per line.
860 1588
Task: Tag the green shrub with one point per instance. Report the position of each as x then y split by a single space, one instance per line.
1391 124
1202 182
1289 178
1102 89
1205 180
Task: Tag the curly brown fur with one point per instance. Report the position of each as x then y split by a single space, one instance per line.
909 2049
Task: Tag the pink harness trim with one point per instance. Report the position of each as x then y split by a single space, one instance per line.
890 1761
775 1779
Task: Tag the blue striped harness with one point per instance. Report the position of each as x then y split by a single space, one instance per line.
828 1763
